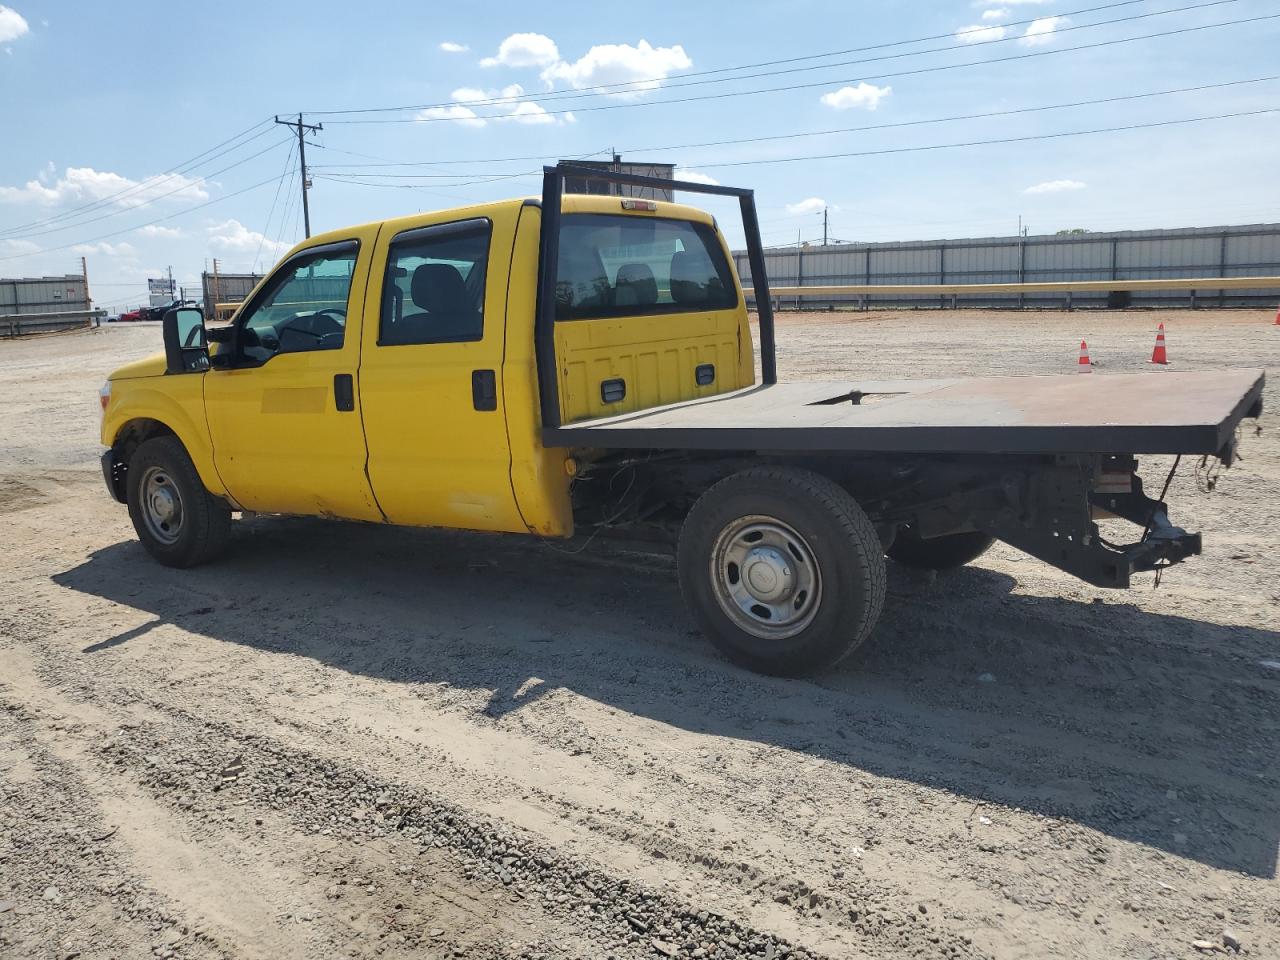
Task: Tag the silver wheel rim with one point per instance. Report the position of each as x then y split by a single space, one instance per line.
161 505
765 577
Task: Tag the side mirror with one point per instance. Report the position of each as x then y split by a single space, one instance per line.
186 346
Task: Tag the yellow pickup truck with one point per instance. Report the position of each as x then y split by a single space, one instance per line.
585 365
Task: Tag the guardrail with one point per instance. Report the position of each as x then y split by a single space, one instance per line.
23 324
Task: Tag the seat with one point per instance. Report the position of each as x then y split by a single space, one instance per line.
688 278
445 313
635 286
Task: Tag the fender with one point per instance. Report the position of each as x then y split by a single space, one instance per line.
175 402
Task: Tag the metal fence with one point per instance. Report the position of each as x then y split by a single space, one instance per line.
1240 251
226 288
43 295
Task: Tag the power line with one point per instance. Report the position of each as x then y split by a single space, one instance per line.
145 203
640 86
984 143
146 183
139 226
303 129
915 149
274 200
819 133
823 83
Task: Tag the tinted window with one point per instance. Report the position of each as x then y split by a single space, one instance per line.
434 288
303 308
613 265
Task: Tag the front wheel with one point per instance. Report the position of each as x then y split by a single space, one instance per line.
178 521
782 569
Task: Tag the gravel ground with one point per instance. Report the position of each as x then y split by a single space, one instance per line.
348 740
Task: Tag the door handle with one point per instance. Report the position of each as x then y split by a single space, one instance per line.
484 390
344 392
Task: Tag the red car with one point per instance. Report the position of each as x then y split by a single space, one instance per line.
135 314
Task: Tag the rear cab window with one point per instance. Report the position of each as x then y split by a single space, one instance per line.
614 265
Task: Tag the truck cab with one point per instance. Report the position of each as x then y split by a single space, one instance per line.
585 364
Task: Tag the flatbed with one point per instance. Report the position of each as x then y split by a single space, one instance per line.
1160 412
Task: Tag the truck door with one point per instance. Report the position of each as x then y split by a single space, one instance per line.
431 373
285 415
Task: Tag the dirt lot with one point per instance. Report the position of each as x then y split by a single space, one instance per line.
347 740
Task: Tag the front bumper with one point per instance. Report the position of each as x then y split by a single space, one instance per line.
113 474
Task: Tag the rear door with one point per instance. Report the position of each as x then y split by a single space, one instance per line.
431 373
648 309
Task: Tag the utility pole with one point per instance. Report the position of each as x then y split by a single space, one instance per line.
824 226
171 282
302 129
84 272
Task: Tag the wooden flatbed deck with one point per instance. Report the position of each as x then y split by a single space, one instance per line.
1157 412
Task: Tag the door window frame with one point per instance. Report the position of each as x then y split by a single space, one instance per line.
274 282
435 231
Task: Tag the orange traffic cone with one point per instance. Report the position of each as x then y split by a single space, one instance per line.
1085 365
1158 355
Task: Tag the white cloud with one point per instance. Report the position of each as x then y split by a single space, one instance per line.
1056 186
979 34
85 183
1039 32
106 249
449 46
12 24
156 231
529 112
864 95
809 205
524 50
463 115
694 176
642 67
234 235
989 15
19 247
508 99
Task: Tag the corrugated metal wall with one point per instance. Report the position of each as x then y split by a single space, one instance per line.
43 295
1126 255
226 288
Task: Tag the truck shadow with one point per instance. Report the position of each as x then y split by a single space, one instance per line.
1146 727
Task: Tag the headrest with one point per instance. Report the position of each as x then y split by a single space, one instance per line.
438 288
635 285
689 278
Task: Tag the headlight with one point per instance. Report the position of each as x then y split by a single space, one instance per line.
104 396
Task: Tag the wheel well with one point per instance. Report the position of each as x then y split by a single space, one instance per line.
136 432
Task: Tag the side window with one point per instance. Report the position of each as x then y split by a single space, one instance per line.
304 307
434 287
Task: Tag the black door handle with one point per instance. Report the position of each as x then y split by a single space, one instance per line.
484 390
344 392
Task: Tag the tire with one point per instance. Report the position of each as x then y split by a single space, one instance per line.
940 553
782 570
178 521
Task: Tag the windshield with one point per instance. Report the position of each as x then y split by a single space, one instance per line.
613 265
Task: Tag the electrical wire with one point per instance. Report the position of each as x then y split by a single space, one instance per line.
288 160
139 226
336 170
825 83
145 203
145 184
641 86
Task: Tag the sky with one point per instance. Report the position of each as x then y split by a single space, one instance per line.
138 135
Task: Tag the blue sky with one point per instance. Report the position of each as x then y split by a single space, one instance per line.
100 103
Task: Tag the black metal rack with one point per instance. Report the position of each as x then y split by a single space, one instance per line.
548 264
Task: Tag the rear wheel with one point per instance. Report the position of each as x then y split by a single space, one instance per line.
782 570
939 553
178 521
